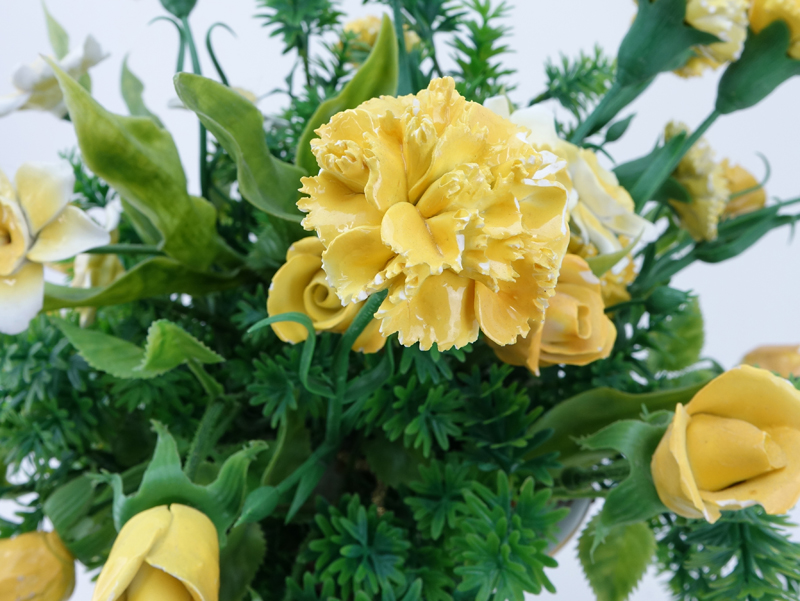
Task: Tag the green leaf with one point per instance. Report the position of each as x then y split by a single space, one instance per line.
132 89
618 129
590 411
140 160
259 505
266 182
677 343
603 263
376 77
168 346
239 561
68 504
153 277
292 448
59 38
617 565
392 462
179 8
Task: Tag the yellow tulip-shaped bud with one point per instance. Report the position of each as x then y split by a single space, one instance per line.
576 329
739 180
765 12
736 444
162 554
783 360
36 566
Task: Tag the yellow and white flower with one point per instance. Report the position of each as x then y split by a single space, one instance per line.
37 226
726 19
443 203
36 84
36 566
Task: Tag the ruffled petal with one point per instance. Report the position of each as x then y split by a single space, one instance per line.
21 298
44 189
354 260
72 233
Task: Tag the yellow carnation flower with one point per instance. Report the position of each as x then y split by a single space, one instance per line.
36 566
765 12
706 183
300 285
576 329
739 180
162 553
444 204
726 19
783 360
736 444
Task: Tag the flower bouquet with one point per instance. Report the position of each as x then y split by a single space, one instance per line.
408 329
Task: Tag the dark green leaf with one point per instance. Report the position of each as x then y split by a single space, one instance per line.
618 129
259 505
239 561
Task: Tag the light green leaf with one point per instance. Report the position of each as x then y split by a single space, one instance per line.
259 505
167 347
239 561
69 503
617 565
59 38
376 77
266 182
140 160
132 90
152 277
603 263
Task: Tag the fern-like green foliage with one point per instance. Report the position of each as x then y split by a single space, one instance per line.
295 21
578 84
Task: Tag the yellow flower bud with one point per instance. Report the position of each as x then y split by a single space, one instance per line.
739 179
765 12
576 329
300 286
736 444
36 566
366 30
726 19
783 360
162 554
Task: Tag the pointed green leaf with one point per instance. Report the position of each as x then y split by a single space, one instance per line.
140 160
59 38
618 129
603 263
618 564
266 182
169 345
259 505
69 503
306 487
132 90
376 77
239 561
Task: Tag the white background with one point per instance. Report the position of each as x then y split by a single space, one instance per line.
748 301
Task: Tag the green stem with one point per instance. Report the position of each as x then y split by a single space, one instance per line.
204 172
404 73
124 249
589 124
213 388
204 438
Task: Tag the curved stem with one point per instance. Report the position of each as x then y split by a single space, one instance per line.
213 54
204 172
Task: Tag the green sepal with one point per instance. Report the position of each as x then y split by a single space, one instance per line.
659 40
132 89
239 561
635 499
59 38
376 77
601 264
616 130
141 162
168 346
179 8
266 182
764 65
164 482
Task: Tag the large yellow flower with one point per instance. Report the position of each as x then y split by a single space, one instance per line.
783 360
576 329
37 225
300 286
765 12
726 19
165 553
739 180
36 567
706 183
444 204
736 444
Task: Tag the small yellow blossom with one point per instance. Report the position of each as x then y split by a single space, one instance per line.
739 180
576 329
169 553
366 30
37 225
706 183
726 19
444 204
783 360
36 566
300 286
765 12
736 444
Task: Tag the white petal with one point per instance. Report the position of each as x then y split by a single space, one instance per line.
14 226
13 102
29 77
21 298
44 189
499 105
70 234
541 122
81 59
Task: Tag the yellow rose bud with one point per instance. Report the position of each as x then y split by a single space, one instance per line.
162 554
576 329
765 12
736 444
300 285
784 360
36 566
739 179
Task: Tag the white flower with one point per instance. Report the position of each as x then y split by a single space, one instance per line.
600 209
37 225
36 84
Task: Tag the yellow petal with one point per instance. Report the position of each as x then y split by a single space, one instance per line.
765 12
21 298
405 231
784 360
152 584
287 294
354 260
44 190
371 340
14 235
71 233
739 180
36 565
525 351
310 245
